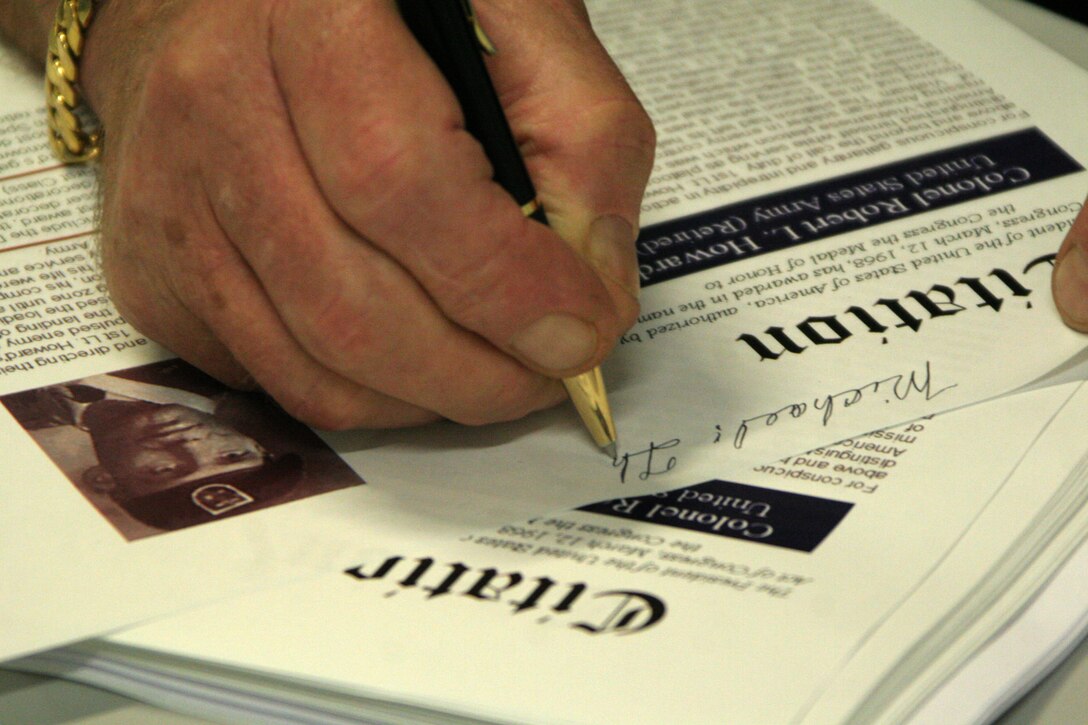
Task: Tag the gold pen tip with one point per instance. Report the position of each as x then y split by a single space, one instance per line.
590 400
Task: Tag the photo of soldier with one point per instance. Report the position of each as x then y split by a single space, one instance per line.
164 447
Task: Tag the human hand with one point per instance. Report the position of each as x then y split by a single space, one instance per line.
1070 282
290 202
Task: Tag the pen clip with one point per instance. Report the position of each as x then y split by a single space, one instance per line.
481 37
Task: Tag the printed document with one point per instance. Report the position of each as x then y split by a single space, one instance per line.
781 599
850 226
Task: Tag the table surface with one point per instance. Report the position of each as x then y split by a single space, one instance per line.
1060 698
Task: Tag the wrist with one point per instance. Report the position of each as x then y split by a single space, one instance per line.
108 52
123 41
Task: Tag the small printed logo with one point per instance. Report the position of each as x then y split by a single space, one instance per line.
218 498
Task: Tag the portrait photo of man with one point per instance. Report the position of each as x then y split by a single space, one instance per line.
163 447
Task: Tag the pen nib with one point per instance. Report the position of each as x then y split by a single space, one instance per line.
590 400
610 449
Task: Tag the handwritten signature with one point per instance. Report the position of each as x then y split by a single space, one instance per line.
900 387
649 467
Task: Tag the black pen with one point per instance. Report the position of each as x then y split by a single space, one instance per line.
449 32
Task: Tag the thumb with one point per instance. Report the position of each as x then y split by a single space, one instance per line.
1070 282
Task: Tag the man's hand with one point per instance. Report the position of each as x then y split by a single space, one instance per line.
291 202
1071 274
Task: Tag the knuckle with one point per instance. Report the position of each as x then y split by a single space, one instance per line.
641 131
339 333
330 415
623 123
384 167
473 296
228 371
312 406
498 399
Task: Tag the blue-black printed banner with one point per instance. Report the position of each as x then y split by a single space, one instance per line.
736 510
844 204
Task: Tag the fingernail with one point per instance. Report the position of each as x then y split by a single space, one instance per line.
1071 288
612 251
557 342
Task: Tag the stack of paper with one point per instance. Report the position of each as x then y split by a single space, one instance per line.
907 586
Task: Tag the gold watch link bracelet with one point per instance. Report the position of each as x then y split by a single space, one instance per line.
67 117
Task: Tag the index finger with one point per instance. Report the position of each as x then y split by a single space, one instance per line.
389 151
586 138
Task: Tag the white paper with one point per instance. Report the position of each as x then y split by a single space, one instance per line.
1020 656
693 399
640 619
